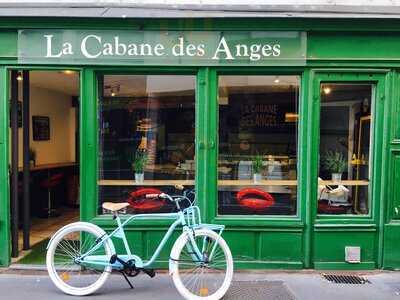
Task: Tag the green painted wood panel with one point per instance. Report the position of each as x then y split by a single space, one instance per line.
329 246
88 143
353 46
391 256
244 245
281 246
394 195
4 177
328 25
8 44
391 253
371 44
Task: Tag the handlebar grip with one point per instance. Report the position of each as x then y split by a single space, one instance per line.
152 196
179 187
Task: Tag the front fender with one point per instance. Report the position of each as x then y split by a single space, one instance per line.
173 265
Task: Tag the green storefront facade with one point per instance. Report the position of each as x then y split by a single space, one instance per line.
319 52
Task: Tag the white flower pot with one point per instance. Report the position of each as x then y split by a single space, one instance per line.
336 177
257 177
139 177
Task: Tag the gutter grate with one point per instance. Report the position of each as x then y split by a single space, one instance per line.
345 279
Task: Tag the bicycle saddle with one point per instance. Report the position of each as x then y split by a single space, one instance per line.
115 206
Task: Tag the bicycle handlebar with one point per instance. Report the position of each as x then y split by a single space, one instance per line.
175 199
162 195
152 196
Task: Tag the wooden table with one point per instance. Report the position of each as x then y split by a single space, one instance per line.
144 183
49 166
226 183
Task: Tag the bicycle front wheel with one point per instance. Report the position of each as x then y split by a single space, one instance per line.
62 260
207 277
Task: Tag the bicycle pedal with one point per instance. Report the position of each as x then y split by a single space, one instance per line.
149 272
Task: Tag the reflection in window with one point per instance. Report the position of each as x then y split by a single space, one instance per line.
146 138
344 167
257 168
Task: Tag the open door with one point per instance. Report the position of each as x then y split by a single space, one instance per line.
44 164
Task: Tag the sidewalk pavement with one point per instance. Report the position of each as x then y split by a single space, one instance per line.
302 285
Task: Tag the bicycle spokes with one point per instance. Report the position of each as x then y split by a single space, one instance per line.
202 275
67 259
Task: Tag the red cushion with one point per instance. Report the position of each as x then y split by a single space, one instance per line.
255 198
325 208
52 181
139 202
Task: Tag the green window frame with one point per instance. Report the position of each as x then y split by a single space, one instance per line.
89 153
379 79
255 220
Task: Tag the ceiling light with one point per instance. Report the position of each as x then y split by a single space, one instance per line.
291 117
276 79
68 72
327 90
19 76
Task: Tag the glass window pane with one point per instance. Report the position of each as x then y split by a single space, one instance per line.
146 139
257 168
345 136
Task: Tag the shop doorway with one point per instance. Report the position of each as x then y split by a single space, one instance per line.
44 158
347 173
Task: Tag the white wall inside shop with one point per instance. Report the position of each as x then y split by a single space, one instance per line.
57 106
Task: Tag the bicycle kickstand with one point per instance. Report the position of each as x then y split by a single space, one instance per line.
127 279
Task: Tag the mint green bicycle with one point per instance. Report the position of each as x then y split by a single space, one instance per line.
81 256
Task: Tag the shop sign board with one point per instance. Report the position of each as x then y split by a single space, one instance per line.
190 48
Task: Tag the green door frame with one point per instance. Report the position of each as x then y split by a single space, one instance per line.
373 222
5 251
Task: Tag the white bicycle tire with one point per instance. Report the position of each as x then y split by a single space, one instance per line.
175 253
84 226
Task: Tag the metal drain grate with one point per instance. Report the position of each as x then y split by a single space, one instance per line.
258 290
345 279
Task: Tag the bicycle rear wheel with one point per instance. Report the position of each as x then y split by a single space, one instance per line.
207 277
68 244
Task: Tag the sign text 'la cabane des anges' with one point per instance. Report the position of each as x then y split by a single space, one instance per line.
122 47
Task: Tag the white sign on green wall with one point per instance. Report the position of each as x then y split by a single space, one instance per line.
125 47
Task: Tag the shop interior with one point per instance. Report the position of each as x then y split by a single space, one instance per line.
45 187
257 169
147 125
344 156
146 139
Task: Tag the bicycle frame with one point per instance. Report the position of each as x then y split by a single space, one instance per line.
189 218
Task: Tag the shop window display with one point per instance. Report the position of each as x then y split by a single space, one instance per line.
258 125
146 139
345 135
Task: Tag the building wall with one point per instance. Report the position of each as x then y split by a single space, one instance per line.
57 106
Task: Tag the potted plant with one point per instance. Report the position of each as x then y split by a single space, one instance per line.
335 162
138 165
257 168
32 157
